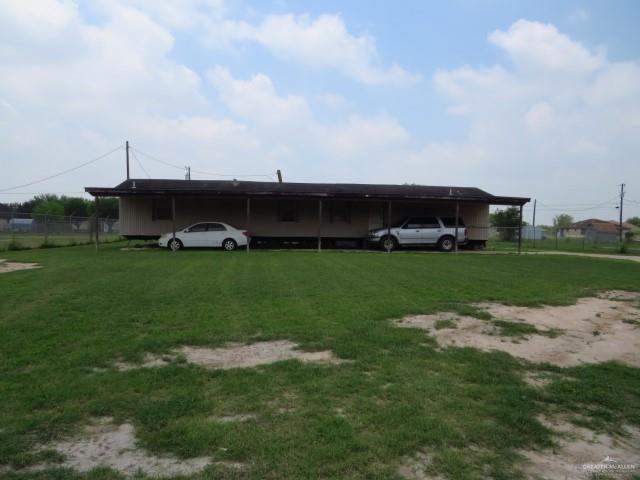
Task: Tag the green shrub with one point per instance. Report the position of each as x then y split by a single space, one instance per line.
15 245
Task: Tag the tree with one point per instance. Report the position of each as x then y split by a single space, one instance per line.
48 208
564 220
634 221
507 222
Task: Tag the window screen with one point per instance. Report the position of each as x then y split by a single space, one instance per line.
287 211
450 222
161 209
340 211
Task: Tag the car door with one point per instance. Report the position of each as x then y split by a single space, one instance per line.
194 236
430 230
409 233
216 233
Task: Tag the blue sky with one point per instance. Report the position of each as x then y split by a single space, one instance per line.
537 99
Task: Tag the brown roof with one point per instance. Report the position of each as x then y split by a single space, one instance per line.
605 226
229 188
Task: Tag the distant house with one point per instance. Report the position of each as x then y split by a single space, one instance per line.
596 230
21 224
4 224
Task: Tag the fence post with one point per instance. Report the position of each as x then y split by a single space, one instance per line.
520 232
46 228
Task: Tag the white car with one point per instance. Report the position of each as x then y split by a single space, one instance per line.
205 234
417 231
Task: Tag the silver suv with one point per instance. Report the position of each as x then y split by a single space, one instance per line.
416 231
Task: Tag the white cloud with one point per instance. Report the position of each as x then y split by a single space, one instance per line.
321 42
558 123
540 45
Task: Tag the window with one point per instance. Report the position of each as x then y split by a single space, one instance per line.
161 209
215 227
450 222
287 211
339 211
423 222
198 227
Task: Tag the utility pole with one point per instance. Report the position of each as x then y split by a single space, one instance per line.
621 202
279 176
534 222
127 150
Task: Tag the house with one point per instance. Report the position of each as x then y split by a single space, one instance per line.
594 229
307 213
529 232
21 224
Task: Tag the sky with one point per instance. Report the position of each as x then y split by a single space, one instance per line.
531 98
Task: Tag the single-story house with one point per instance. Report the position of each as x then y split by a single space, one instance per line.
21 224
315 213
594 229
529 232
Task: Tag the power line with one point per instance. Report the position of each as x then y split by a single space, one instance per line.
201 172
140 164
69 170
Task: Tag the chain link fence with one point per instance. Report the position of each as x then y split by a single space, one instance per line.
548 239
24 230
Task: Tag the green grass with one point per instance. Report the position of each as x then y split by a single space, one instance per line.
20 241
398 394
565 245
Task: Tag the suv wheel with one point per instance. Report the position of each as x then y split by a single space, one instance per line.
446 243
388 243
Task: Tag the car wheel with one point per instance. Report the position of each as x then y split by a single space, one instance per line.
175 244
446 244
388 243
229 244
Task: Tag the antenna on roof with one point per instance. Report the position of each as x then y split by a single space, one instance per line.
187 173
279 176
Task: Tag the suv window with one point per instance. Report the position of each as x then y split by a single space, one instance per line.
422 222
450 222
198 227
215 227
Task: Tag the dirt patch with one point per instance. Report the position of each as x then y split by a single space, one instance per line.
233 418
415 467
537 380
235 356
591 331
621 295
582 454
6 267
105 444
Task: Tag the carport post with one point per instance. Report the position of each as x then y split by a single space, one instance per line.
455 242
389 226
320 225
97 224
248 222
520 232
173 219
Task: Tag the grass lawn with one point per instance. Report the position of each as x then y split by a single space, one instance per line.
62 326
36 240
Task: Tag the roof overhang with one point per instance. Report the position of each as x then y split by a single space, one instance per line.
142 188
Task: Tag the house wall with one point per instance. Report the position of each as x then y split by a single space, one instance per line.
136 216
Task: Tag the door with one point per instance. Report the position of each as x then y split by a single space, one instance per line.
430 231
410 232
195 235
216 233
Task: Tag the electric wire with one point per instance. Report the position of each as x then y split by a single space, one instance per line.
69 170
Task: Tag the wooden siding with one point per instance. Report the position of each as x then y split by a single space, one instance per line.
136 216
